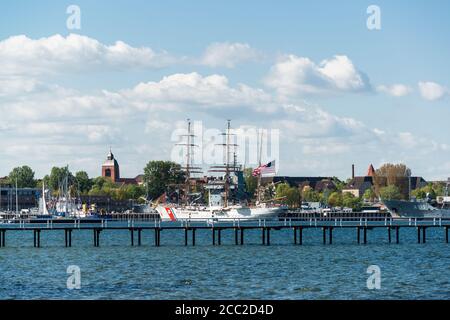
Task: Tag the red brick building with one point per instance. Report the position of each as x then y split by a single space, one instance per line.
111 170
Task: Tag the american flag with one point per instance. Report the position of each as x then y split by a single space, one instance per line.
265 170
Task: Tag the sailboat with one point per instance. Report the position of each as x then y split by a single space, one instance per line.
66 205
220 207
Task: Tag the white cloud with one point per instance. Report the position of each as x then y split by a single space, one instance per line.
22 55
432 90
58 126
293 75
225 54
395 90
194 89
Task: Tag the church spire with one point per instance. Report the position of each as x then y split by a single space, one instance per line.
371 171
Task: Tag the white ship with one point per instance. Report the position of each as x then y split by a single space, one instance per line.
235 212
221 205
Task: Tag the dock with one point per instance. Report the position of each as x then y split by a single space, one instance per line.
237 227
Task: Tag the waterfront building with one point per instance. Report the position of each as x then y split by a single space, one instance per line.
111 170
319 184
26 197
359 184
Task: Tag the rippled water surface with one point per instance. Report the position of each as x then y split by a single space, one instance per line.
115 270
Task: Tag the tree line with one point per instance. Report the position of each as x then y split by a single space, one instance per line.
157 175
389 182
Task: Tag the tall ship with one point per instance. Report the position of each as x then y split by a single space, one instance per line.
224 194
420 209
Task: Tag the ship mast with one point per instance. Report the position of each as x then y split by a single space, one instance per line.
227 167
189 168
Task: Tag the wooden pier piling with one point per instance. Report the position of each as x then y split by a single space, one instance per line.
2 238
446 234
37 238
158 237
68 237
97 237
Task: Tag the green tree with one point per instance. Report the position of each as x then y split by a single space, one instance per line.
350 201
390 193
291 194
251 182
84 184
57 175
419 193
335 199
340 185
24 176
158 175
102 187
133 191
369 195
429 190
309 195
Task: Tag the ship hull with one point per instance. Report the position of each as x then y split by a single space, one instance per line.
168 213
414 209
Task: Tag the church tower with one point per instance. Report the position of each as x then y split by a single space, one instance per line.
110 168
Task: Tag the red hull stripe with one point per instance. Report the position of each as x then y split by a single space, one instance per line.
171 215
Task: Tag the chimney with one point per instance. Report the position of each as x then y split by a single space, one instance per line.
353 171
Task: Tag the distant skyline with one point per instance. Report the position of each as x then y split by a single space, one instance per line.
339 93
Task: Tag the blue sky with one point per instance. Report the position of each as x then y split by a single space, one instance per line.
385 99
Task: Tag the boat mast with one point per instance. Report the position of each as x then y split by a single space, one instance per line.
227 167
17 199
188 162
227 163
189 168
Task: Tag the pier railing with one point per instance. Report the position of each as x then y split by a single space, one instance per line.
217 226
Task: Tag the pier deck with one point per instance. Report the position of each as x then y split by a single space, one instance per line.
238 226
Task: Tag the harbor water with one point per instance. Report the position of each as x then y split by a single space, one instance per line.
116 270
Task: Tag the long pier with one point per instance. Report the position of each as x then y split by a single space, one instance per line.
237 226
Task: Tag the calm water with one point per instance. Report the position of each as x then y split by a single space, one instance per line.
116 270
